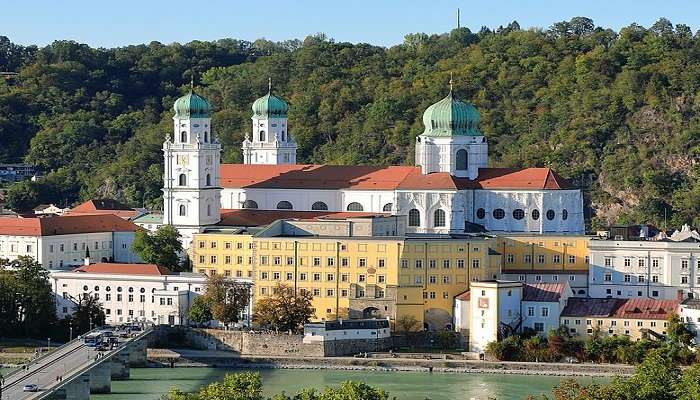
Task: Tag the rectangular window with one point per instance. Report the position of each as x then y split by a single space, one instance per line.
316 277
263 260
684 264
655 263
276 260
330 277
276 276
445 279
290 260
540 258
330 261
212 245
362 262
213 259
404 263
344 262
545 311
361 278
289 276
316 261
510 258
343 277
302 276
432 264
556 259
531 311
608 262
227 259
432 279
446 264
628 278
655 278
475 263
264 275
641 262
684 280
628 262
460 264
419 264
607 277
572 259
381 278
527 258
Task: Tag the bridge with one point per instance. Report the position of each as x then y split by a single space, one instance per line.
74 370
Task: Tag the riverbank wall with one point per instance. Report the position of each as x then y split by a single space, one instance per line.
221 359
260 344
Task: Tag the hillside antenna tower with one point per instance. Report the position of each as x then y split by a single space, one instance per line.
458 18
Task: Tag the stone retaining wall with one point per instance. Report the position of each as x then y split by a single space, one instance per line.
260 344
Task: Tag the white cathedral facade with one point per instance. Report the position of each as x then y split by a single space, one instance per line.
451 189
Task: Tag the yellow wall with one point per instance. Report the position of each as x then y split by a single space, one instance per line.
586 325
418 277
544 252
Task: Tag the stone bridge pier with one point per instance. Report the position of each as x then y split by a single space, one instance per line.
77 389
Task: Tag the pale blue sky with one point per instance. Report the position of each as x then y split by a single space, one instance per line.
382 22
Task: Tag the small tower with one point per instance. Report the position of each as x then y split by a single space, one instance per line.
191 191
451 141
271 142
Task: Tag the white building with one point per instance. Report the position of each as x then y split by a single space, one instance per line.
49 209
129 292
366 329
644 268
450 189
60 242
494 309
689 311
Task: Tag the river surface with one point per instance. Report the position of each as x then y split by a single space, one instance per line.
152 383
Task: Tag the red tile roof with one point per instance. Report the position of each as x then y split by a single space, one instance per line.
644 308
101 207
64 225
464 296
123 269
335 177
544 292
313 176
254 217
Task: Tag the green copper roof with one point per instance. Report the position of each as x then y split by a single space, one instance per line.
192 105
270 106
451 117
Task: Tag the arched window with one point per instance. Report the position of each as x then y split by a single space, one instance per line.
182 180
354 206
206 137
250 204
284 205
319 206
518 214
461 160
208 180
283 137
439 218
535 214
564 214
183 210
183 137
481 213
262 136
551 214
414 217
387 207
208 210
499 213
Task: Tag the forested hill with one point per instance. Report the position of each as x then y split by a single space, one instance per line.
618 112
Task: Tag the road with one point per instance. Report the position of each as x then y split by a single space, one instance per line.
44 372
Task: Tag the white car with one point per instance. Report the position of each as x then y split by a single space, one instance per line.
30 388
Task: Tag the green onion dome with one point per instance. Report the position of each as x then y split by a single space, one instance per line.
451 117
192 105
270 106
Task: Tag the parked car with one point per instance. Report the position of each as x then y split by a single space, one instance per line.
30 388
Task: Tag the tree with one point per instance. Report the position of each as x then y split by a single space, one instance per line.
200 312
87 314
26 298
162 247
284 309
678 332
226 298
407 323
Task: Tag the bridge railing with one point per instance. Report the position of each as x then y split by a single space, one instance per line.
73 375
46 354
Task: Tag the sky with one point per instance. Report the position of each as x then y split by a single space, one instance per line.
101 23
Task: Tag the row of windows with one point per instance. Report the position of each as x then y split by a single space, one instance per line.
182 180
641 262
476 263
331 246
518 214
612 323
316 206
439 219
541 258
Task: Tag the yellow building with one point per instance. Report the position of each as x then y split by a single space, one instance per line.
635 318
354 267
546 259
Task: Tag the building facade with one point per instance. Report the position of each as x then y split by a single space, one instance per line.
371 270
644 268
61 242
129 292
450 190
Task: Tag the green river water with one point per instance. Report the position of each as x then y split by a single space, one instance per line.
152 383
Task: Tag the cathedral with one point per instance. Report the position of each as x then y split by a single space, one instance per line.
451 189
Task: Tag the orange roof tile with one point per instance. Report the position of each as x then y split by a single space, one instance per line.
123 269
64 225
464 296
254 217
102 207
528 178
640 308
313 176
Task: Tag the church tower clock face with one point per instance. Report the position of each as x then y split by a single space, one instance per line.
182 160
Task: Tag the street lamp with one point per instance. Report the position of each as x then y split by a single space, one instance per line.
70 330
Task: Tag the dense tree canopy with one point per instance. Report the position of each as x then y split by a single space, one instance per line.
618 112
